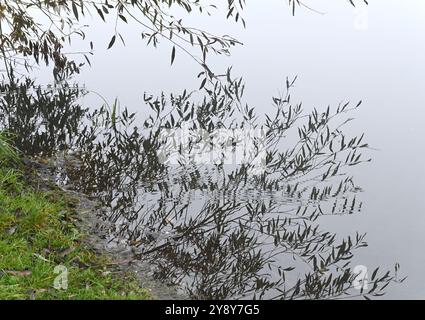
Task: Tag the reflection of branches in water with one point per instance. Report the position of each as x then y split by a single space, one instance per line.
218 229
43 119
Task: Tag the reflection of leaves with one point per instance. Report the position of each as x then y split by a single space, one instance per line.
173 54
111 42
221 231
40 120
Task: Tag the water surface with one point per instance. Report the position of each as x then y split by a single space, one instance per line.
376 55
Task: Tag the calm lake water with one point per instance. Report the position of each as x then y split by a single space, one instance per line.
375 54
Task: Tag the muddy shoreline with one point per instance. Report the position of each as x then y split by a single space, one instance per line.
91 225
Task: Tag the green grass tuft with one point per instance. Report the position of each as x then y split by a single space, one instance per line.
7 152
37 234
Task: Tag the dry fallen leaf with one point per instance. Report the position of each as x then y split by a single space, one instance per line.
40 257
40 290
66 252
11 230
24 273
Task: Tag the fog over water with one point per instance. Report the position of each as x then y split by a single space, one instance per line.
374 53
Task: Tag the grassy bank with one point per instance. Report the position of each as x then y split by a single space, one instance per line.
42 253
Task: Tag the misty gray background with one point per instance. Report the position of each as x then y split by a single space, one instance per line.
375 54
